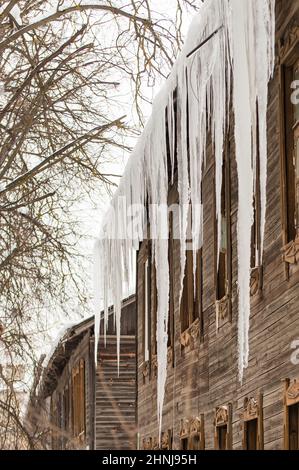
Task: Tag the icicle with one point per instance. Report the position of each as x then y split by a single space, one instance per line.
244 46
183 178
97 296
265 32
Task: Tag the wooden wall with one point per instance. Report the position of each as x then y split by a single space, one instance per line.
110 399
115 394
115 405
82 351
205 374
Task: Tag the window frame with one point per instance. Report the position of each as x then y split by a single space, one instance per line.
197 430
191 305
289 55
185 434
79 401
290 398
223 418
253 411
223 305
146 304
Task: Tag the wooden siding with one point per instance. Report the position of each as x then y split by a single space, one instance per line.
205 373
115 418
109 416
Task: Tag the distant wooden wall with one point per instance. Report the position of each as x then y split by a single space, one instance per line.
115 405
110 400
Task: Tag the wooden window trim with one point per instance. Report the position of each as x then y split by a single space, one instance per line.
172 177
146 304
146 266
154 359
253 410
147 443
156 445
256 278
195 326
171 324
290 398
184 433
197 429
223 306
288 53
166 440
223 417
256 254
190 429
191 308
79 401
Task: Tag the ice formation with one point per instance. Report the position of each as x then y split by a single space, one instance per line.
241 54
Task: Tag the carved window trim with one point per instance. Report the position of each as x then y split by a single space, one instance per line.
191 308
79 402
290 252
166 440
256 281
253 410
197 430
223 311
145 368
223 418
184 433
154 365
190 429
156 445
147 274
171 321
147 443
189 336
223 305
290 398
288 51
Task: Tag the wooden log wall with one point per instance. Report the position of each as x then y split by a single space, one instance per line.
115 400
205 373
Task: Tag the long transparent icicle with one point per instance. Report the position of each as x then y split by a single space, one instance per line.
241 54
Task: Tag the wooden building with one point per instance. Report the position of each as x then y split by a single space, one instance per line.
206 406
88 407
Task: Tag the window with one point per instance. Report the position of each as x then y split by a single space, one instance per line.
291 415
184 434
223 272
170 340
223 428
154 309
78 400
147 444
147 292
292 135
166 440
195 442
197 437
184 443
289 73
55 422
222 437
255 230
294 427
191 303
171 138
66 414
253 436
187 303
